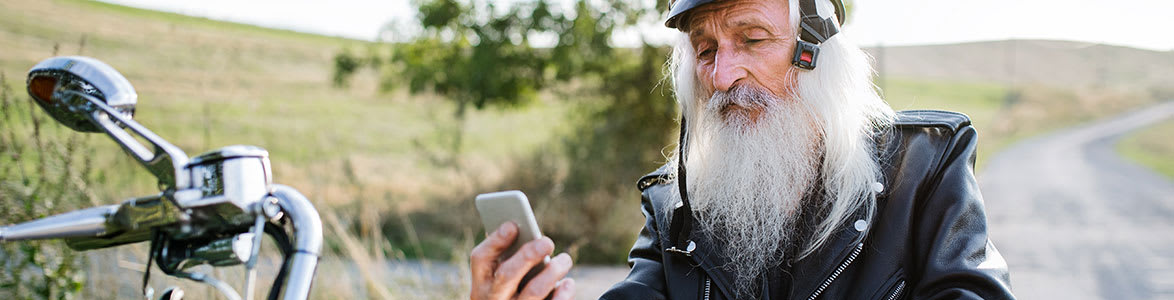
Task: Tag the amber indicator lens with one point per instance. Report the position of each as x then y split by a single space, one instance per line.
41 87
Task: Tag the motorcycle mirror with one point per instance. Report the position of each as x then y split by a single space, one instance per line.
54 82
88 95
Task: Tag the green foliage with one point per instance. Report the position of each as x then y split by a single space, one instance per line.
1151 147
476 52
612 147
42 172
480 54
473 55
594 204
345 65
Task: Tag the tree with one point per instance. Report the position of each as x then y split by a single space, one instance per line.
478 54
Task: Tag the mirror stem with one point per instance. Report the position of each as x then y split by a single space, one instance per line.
166 162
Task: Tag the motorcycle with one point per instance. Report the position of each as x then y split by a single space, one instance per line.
211 209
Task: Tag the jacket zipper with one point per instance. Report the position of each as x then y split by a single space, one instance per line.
897 291
706 288
840 269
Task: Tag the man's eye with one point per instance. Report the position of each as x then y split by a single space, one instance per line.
706 53
753 41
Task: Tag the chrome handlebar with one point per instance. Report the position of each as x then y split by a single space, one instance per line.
212 208
80 223
307 241
107 226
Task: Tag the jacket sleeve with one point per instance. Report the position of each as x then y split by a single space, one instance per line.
954 253
646 278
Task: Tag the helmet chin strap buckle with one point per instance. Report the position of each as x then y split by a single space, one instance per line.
806 54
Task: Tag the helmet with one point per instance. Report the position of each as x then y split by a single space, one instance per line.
679 7
813 29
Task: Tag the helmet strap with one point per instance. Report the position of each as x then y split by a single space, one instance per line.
813 30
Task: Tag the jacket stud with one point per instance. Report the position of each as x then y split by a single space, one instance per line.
861 225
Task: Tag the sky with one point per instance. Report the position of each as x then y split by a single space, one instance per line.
1134 23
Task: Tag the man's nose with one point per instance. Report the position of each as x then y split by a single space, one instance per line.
728 69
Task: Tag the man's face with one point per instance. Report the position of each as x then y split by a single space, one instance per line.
742 42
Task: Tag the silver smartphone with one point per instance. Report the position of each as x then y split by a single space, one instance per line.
500 207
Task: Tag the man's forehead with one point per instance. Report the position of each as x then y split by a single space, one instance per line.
732 14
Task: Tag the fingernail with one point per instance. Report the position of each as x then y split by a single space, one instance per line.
540 247
564 256
546 245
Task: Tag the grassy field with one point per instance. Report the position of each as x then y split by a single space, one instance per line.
368 159
204 84
1152 147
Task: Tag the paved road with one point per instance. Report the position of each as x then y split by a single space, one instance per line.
1076 221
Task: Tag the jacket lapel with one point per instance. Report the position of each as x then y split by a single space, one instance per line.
808 273
811 271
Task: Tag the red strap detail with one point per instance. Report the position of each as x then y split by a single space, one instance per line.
805 57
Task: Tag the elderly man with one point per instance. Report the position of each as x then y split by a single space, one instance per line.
793 180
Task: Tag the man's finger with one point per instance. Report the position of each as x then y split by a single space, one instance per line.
565 290
545 282
509 274
483 259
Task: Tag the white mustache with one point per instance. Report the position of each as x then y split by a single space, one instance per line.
749 97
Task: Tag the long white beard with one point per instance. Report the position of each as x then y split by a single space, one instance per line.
747 179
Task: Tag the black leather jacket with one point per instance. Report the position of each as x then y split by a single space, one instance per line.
928 240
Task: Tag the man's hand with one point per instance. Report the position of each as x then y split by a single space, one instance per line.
499 281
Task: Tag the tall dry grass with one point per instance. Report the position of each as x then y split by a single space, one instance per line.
44 170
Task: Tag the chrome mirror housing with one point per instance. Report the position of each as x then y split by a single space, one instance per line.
53 81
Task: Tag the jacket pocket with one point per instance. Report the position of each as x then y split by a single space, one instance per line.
897 291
